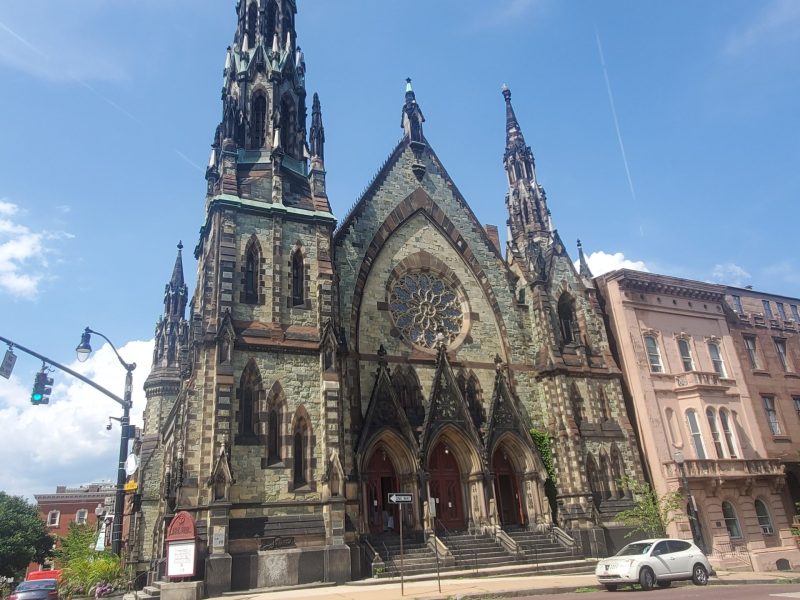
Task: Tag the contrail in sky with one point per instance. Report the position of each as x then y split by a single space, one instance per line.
91 89
614 114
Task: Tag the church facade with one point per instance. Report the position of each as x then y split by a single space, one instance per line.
324 365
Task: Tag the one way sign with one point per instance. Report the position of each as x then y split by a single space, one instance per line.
396 498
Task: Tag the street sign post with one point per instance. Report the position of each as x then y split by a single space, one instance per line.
400 499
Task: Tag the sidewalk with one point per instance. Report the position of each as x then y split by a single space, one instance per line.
481 587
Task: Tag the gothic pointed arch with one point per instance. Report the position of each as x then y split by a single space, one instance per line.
249 394
221 479
408 390
252 24
618 471
334 477
298 281
576 404
606 478
447 408
258 120
593 479
301 452
288 125
506 421
226 339
567 320
275 429
252 272
329 347
384 412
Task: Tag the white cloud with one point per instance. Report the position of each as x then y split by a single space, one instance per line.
778 23
730 274
601 262
66 441
23 253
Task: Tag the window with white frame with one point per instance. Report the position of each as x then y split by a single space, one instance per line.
81 516
727 422
752 351
716 358
772 414
653 355
686 354
795 312
712 425
780 348
697 436
767 309
764 520
731 521
737 305
781 311
52 518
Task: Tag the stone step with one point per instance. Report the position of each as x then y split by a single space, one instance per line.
152 590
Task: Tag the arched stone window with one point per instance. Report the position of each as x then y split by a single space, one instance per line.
249 390
731 520
764 519
273 437
712 425
252 23
593 478
252 272
566 319
577 404
298 279
300 451
605 408
618 471
607 480
275 416
258 122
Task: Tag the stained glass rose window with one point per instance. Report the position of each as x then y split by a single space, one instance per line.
421 304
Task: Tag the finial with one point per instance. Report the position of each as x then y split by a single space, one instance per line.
381 356
498 363
408 85
180 245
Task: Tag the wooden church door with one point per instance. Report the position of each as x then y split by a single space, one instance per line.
506 490
445 486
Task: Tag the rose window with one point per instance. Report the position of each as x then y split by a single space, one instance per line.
421 305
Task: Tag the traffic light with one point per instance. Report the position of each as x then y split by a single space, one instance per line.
41 388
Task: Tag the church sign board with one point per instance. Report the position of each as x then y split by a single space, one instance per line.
181 546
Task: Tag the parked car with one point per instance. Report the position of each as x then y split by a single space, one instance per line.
654 562
51 574
38 589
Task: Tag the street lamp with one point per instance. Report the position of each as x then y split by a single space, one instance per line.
694 522
83 350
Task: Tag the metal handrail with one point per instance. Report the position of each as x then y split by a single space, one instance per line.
448 533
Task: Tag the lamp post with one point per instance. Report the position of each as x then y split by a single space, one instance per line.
691 512
83 350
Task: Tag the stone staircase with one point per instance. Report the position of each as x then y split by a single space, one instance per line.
540 550
477 551
149 592
418 558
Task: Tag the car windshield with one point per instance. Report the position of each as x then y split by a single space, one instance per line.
40 584
635 548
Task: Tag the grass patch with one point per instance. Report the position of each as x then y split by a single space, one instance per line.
586 590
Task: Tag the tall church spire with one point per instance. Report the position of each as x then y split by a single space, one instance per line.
316 137
528 215
176 292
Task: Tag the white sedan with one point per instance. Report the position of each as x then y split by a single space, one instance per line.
654 562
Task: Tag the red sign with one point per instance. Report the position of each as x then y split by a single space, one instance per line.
182 527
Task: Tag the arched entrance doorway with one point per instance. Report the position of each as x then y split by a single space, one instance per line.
381 481
445 486
506 490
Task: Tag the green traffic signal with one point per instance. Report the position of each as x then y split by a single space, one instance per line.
41 388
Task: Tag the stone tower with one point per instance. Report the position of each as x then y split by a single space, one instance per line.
577 383
162 386
253 445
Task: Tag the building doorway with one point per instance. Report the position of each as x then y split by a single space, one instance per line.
445 488
381 481
506 491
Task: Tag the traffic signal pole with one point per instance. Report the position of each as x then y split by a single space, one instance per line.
126 402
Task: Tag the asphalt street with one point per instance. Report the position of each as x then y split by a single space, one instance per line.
688 592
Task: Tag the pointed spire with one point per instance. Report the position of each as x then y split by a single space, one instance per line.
585 271
316 136
245 44
511 117
412 115
176 282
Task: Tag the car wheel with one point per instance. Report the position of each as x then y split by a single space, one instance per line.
699 575
611 587
646 578
664 584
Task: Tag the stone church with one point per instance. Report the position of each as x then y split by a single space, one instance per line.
325 364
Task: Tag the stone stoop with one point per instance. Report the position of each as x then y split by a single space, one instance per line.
150 592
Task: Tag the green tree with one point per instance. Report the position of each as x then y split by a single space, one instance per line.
23 536
652 512
83 569
77 544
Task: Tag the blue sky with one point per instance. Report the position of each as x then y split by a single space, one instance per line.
108 108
